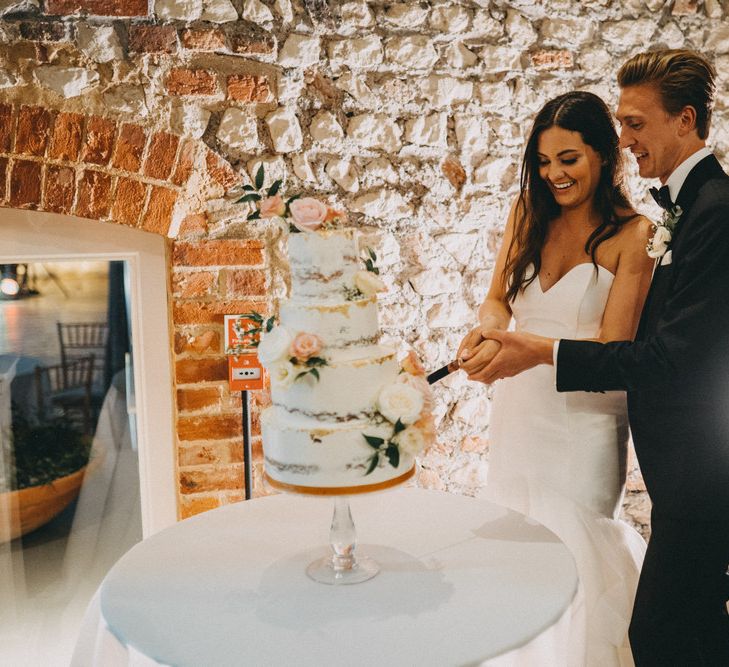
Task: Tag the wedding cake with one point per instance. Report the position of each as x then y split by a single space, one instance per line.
346 417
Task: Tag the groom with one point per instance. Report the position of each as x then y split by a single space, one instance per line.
676 372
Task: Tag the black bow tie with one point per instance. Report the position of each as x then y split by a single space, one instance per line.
662 197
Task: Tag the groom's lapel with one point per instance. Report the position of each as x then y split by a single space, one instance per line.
704 171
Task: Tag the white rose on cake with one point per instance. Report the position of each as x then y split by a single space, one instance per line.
400 401
283 374
420 384
274 346
411 441
368 283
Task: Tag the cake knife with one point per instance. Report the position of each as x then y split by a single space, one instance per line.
442 372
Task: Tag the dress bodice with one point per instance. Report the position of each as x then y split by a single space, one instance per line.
571 308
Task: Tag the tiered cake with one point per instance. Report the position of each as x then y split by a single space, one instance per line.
346 416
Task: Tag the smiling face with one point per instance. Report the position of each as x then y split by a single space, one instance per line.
656 139
570 167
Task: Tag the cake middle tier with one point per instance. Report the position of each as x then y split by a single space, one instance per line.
337 324
348 385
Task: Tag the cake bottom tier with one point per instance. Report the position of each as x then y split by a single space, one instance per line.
305 455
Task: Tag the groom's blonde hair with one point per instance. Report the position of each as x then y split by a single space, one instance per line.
683 77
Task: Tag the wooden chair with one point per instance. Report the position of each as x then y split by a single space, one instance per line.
79 339
65 388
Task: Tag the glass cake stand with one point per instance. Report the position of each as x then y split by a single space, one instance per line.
342 566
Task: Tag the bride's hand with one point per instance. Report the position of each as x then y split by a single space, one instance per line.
469 343
480 357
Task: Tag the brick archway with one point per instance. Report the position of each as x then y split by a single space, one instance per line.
116 171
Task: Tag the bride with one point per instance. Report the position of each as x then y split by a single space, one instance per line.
572 265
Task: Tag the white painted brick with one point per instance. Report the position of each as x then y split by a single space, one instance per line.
411 52
356 86
622 32
383 204
718 39
519 30
449 314
406 15
375 131
299 51
360 53
256 12
284 9
501 58
130 100
302 168
285 130
499 172
433 282
238 130
343 173
190 119
472 133
450 19
443 91
431 130
567 31
357 15
98 43
180 10
66 81
325 128
7 80
459 56
380 170
219 11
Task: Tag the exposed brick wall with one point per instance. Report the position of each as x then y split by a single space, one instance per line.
411 115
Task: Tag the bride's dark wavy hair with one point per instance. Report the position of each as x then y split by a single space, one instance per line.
576 111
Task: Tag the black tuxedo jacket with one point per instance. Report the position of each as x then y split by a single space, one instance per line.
676 371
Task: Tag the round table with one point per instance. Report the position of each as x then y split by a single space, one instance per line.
462 581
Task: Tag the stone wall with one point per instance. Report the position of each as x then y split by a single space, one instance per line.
412 115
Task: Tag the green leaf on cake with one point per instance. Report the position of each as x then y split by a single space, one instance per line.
315 373
255 215
316 361
251 196
275 186
253 315
393 455
259 178
373 441
374 460
371 253
270 323
399 426
248 187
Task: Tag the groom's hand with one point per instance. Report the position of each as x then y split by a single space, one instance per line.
475 360
518 352
469 343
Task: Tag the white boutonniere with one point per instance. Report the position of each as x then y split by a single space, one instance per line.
663 232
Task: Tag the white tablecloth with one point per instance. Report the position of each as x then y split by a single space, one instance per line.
462 582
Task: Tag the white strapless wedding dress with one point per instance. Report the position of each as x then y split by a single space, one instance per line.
560 458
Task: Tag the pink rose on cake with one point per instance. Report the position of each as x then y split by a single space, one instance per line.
411 364
400 401
274 346
305 346
272 207
308 214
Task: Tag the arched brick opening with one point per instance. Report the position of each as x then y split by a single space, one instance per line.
123 172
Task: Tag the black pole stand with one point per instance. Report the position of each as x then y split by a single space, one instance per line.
246 419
